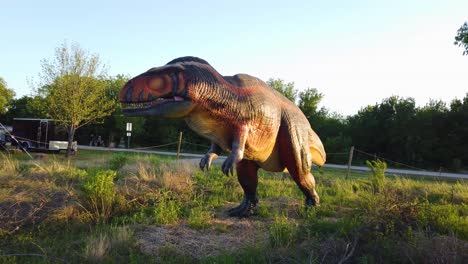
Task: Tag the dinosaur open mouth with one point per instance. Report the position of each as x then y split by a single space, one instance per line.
152 103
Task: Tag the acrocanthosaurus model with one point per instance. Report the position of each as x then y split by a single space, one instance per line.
240 114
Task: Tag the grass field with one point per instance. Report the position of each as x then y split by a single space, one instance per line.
129 208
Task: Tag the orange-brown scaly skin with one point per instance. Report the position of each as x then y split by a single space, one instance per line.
240 114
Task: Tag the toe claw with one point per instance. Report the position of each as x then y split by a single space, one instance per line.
245 208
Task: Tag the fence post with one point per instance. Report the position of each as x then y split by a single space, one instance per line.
180 143
351 151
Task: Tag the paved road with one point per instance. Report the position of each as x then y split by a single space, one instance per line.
334 166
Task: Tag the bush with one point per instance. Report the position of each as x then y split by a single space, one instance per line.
168 210
100 195
390 212
117 161
377 177
447 219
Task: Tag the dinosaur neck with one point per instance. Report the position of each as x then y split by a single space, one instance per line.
213 92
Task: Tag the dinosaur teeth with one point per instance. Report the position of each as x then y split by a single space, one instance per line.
139 105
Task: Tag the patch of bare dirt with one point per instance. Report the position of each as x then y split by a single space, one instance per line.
235 234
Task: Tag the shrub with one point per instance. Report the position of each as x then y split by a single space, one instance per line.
389 212
168 210
100 194
447 219
377 177
117 161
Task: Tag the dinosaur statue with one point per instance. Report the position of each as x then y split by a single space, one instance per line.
239 114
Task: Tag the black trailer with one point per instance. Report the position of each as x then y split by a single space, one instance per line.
40 134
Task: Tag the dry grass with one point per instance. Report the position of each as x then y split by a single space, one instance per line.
97 247
32 195
175 176
237 234
121 236
8 166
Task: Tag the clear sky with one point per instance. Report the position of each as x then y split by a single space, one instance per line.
354 52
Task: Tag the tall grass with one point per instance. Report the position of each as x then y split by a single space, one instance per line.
105 242
282 232
8 165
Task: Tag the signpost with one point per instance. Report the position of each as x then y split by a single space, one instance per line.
129 134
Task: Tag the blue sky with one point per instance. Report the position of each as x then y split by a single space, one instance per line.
354 52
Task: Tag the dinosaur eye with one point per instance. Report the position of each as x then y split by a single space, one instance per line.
156 83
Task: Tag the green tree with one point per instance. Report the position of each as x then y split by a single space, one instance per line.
387 129
26 107
286 89
457 135
461 39
331 127
308 102
113 127
75 89
6 95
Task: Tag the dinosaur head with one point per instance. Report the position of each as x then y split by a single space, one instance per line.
160 91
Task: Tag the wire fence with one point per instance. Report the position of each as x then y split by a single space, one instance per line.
374 156
345 158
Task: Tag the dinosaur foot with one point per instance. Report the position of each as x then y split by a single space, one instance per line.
312 201
245 208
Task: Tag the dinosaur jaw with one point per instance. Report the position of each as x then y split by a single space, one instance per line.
167 107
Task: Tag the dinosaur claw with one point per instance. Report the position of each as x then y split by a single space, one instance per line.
205 162
228 166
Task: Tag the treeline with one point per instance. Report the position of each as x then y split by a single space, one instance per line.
434 136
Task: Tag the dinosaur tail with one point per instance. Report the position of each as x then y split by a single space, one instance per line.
316 148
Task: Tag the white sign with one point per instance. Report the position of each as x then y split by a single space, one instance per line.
129 126
129 134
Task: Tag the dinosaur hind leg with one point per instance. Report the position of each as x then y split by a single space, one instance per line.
248 179
297 159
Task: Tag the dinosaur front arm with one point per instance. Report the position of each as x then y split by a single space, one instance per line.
238 146
211 155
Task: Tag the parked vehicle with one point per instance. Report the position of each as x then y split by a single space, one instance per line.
3 138
40 134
